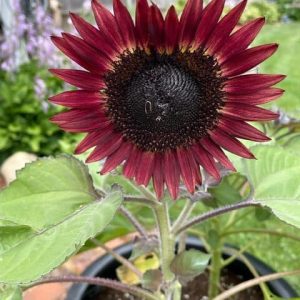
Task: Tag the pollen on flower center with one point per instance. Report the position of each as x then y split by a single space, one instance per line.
163 98
161 102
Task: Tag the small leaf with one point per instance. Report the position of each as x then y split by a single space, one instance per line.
38 255
152 280
189 264
149 261
10 292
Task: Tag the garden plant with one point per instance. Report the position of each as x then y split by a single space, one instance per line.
164 101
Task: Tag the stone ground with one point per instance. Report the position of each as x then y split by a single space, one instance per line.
75 265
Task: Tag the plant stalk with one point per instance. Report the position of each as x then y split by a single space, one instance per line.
137 225
167 252
217 212
167 241
215 271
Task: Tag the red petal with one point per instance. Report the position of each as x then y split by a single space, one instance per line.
106 147
80 79
247 60
116 158
171 173
78 99
76 114
220 35
230 143
145 168
189 21
255 98
171 30
107 24
206 160
98 62
85 125
92 139
63 46
240 40
132 163
209 19
156 28
142 22
251 83
158 178
248 112
186 169
242 130
217 152
93 36
125 24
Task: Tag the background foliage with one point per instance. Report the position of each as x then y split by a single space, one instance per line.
24 115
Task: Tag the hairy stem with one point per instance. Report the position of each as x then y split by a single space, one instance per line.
247 284
217 212
167 241
119 258
185 213
141 293
138 226
172 288
215 272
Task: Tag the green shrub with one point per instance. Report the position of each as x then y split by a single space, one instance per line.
24 121
290 8
261 8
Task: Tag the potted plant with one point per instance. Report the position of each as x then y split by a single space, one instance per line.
160 99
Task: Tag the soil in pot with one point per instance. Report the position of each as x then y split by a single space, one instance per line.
196 289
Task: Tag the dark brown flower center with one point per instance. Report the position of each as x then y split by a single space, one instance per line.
162 102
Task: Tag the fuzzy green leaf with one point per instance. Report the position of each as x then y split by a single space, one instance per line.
10 293
46 191
189 264
275 176
38 255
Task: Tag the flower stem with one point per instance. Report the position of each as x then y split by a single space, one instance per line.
167 241
167 252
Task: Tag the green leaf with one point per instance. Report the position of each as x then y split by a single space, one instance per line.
189 264
275 176
46 191
152 280
10 293
38 255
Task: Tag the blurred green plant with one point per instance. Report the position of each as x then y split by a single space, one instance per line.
290 8
261 8
24 116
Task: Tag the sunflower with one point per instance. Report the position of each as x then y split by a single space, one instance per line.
165 95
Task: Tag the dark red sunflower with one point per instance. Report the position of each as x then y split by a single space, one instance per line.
164 95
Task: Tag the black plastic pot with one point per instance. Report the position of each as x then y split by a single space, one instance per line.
105 267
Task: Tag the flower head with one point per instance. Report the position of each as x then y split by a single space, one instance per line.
164 95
